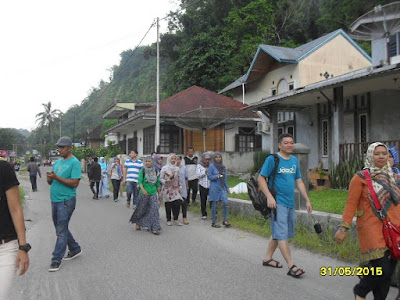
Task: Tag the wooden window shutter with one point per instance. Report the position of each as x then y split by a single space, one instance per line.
236 142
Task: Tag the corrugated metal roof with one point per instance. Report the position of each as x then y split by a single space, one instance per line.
329 83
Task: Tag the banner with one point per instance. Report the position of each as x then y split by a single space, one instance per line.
3 153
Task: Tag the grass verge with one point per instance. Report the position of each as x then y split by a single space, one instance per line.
21 194
330 201
304 237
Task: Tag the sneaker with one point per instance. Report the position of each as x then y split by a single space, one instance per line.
215 225
55 266
169 223
204 217
185 221
177 223
71 255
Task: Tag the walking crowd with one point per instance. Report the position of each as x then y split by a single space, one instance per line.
373 197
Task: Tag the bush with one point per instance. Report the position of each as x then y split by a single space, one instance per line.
341 174
259 158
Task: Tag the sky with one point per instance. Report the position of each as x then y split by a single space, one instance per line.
59 50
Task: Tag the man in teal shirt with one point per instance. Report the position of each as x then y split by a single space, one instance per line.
64 179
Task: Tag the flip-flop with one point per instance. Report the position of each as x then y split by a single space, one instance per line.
296 273
277 265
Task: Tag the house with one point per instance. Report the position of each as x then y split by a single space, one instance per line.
279 70
184 118
93 137
338 118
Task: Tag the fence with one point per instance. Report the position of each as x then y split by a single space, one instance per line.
349 151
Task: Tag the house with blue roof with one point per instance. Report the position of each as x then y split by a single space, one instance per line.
277 71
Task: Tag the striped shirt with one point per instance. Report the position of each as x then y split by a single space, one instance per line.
132 169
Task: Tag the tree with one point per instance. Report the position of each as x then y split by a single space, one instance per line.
47 118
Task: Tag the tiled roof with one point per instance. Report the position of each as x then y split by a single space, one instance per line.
194 97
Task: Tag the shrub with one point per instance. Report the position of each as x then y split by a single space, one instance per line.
341 174
259 158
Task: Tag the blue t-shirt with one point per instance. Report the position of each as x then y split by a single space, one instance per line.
285 178
69 169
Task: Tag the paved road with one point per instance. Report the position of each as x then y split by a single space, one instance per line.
188 262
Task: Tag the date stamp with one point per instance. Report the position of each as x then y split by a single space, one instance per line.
350 271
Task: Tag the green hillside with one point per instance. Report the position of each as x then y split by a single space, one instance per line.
210 43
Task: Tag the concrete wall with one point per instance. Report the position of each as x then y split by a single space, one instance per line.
308 134
385 116
235 162
337 57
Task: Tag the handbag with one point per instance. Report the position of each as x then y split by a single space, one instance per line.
391 232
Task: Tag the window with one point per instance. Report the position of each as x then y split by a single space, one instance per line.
280 131
290 130
283 116
363 101
324 138
273 92
291 86
169 139
247 140
148 139
279 116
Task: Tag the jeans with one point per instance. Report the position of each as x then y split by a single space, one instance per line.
203 200
62 212
116 183
8 257
132 188
224 209
95 192
33 178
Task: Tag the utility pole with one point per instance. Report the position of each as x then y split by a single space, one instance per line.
73 134
157 133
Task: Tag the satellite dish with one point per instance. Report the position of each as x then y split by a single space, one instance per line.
381 22
202 119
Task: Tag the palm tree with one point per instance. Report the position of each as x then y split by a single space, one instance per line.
47 117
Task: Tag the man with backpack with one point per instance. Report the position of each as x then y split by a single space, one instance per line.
282 204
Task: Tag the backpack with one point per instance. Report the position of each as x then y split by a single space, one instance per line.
257 197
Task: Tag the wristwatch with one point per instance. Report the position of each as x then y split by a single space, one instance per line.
25 247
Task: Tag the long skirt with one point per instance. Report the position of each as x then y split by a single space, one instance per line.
146 213
104 190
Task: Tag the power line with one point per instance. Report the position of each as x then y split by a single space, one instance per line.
127 61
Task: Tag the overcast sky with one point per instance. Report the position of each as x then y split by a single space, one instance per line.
57 51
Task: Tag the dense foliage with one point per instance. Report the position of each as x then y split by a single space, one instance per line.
210 43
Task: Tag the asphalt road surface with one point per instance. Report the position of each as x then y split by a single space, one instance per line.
188 262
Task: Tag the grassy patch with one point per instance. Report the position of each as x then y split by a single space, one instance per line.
330 201
304 238
21 194
234 180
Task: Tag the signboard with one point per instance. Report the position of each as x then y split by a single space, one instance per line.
3 153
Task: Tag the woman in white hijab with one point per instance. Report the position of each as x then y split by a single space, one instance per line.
171 189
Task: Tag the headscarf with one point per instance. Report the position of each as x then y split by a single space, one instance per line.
118 166
205 155
103 164
220 167
150 173
383 181
395 155
156 164
169 167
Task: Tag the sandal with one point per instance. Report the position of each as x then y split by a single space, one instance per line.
267 263
155 232
137 227
226 223
215 225
128 205
295 273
